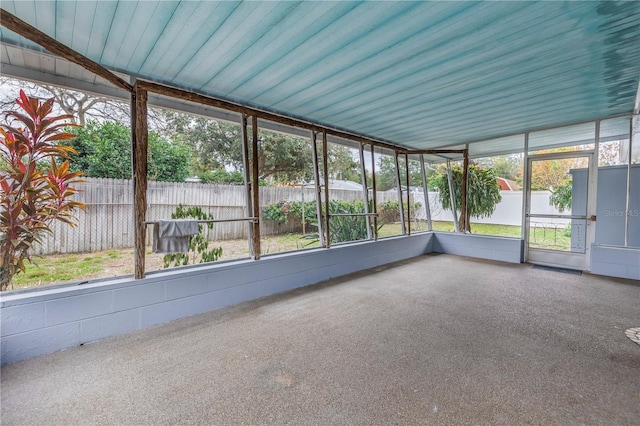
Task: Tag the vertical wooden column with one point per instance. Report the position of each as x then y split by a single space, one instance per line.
318 186
365 191
246 165
139 140
374 194
463 205
399 186
255 190
325 164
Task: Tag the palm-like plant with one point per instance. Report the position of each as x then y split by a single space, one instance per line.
31 198
483 192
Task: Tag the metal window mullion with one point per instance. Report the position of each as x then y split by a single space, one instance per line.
592 197
452 197
627 204
374 193
406 172
365 191
398 183
325 164
525 188
464 208
247 180
255 189
318 187
425 190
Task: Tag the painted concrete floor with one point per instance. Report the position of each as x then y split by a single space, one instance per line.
435 340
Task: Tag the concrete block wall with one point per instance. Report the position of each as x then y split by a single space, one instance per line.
480 246
53 319
622 262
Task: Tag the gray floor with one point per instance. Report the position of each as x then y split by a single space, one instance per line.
435 340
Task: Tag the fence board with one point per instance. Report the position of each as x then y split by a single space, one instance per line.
107 222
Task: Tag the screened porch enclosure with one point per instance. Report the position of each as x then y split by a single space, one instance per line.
410 86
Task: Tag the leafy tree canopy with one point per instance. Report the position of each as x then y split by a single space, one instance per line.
217 148
504 166
104 150
561 196
386 173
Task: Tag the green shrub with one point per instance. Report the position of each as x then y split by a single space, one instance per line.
281 211
390 212
341 229
277 212
198 244
347 228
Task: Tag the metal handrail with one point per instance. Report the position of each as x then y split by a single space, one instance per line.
353 214
556 216
242 219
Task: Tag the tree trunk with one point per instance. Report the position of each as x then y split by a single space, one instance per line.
6 270
462 225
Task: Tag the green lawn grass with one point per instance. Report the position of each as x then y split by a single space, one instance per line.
59 268
476 228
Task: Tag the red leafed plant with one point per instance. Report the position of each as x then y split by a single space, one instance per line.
32 196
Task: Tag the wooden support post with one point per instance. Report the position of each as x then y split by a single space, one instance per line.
246 165
325 164
139 139
318 187
399 186
464 206
255 190
365 191
374 193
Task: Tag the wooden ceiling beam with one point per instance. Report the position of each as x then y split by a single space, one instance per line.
185 95
438 151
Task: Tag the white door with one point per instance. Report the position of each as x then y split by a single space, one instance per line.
558 229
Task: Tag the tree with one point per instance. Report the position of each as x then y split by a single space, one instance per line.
546 175
341 162
81 106
32 198
283 158
561 196
214 144
217 148
504 166
104 150
386 173
483 192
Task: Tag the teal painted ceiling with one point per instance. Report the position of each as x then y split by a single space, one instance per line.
421 75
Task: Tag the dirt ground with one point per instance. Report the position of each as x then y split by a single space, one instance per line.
113 263
231 249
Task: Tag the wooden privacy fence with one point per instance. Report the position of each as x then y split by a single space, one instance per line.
107 221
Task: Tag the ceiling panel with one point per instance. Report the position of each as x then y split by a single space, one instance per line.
422 75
